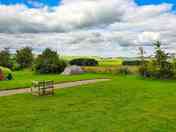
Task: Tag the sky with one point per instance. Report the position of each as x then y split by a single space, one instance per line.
31 3
148 2
57 2
88 27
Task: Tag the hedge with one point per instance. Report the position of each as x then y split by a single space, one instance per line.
131 62
84 62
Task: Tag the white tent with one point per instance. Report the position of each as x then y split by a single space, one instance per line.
72 70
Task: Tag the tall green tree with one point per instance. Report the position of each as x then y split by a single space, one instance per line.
160 55
160 66
165 68
5 58
24 57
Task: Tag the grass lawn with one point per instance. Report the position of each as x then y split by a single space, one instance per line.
23 79
125 104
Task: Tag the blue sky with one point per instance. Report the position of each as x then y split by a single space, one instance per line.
155 1
56 2
148 2
45 2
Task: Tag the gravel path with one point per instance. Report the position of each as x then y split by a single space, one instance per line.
57 86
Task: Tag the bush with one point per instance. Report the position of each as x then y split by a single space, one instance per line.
16 67
152 70
9 76
49 62
112 70
84 62
6 73
131 63
98 69
124 71
1 75
148 69
174 67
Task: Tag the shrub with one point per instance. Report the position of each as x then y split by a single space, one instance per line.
131 62
49 62
6 73
5 58
84 62
113 70
143 71
16 67
1 75
24 57
167 70
124 71
148 69
9 77
174 67
152 70
98 69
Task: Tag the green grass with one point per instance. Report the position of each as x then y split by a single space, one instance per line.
23 79
125 104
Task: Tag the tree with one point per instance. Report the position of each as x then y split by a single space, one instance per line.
160 55
24 57
165 68
159 66
84 62
142 55
143 67
5 58
49 62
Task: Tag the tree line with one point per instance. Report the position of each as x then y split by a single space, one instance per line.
47 62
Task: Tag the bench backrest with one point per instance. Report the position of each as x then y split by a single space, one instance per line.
43 84
43 88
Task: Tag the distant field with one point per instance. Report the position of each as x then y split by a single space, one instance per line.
110 62
68 58
102 61
23 79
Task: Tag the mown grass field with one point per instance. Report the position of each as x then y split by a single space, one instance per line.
125 104
23 79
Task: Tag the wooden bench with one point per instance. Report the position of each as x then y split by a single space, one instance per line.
41 88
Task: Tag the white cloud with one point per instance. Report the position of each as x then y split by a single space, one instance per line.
106 27
149 37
